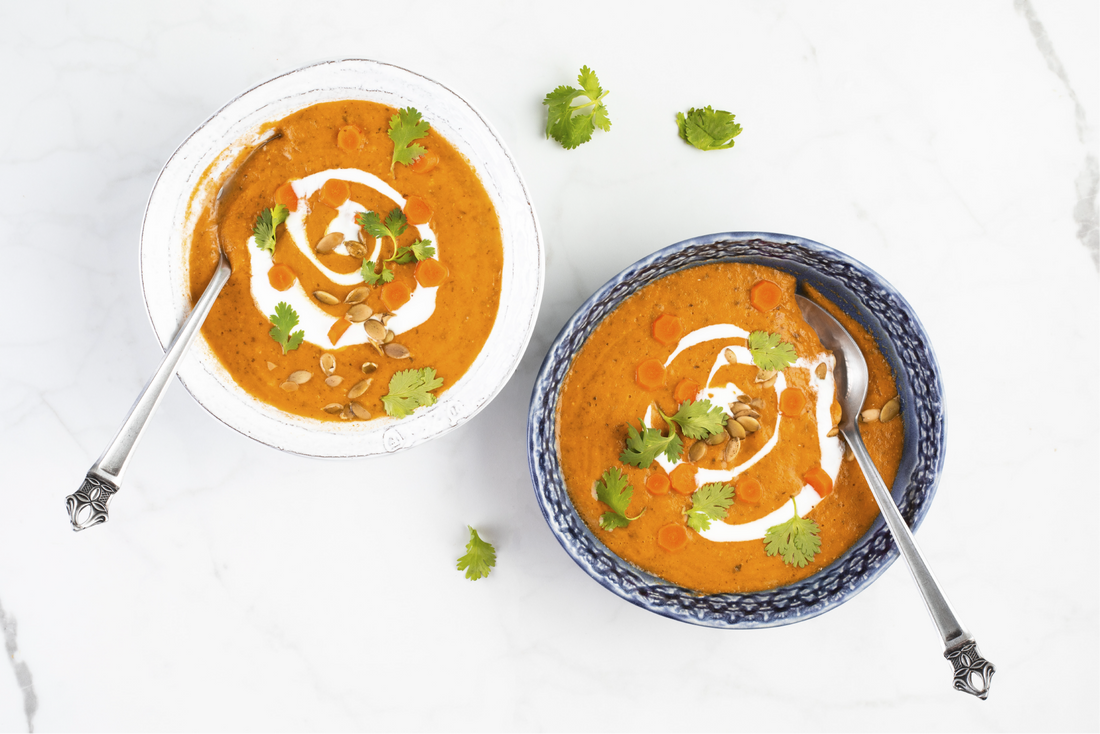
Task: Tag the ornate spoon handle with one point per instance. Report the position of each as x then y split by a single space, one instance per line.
88 505
973 673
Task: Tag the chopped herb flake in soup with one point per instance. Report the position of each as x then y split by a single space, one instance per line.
697 432
365 250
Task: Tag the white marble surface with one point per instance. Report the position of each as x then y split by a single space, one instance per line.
951 146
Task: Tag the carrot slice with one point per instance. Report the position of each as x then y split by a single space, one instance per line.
281 277
819 479
765 295
792 402
683 479
395 295
425 162
749 491
337 330
657 483
417 211
335 192
349 138
430 273
672 537
285 195
650 374
666 329
686 389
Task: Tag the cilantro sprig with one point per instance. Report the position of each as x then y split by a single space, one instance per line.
264 228
707 128
394 226
417 251
479 559
796 540
697 419
642 448
769 352
709 502
573 124
282 321
614 491
405 127
409 390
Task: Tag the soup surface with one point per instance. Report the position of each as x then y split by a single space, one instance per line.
389 266
696 430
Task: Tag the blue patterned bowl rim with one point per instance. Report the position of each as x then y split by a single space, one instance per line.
858 291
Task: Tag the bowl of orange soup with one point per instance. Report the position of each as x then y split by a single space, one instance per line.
682 436
387 264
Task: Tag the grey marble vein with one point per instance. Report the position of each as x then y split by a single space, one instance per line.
22 672
1088 181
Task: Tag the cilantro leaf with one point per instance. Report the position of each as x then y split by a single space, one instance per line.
769 353
697 420
642 449
405 127
708 129
796 540
479 559
282 321
372 278
710 502
393 227
409 390
612 489
572 125
417 251
266 223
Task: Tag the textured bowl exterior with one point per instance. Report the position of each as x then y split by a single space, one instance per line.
862 294
202 159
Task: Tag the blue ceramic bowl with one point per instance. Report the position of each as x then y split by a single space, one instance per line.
858 291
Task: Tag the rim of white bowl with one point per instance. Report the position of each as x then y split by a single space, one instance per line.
165 242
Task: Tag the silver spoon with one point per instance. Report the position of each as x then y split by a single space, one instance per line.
973 673
87 506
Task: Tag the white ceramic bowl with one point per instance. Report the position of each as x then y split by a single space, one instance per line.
166 242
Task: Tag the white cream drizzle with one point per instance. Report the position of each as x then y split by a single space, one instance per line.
312 319
822 389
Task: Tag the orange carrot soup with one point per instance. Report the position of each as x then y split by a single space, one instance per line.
697 432
366 258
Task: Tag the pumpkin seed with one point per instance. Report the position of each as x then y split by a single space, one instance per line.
697 451
326 298
359 411
270 365
741 408
821 371
750 424
744 399
359 388
377 347
333 380
369 367
375 331
299 377
289 386
386 318
717 439
358 313
333 408
869 416
765 375
357 295
735 430
832 432
890 410
328 363
390 336
731 449
396 351
769 382
757 403
356 249
730 356
329 242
